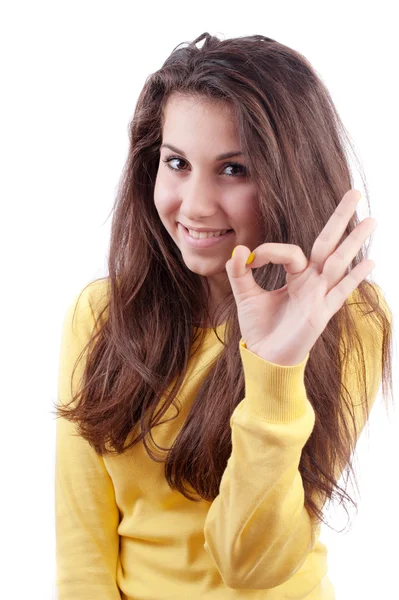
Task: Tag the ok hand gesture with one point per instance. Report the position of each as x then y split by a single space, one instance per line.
283 325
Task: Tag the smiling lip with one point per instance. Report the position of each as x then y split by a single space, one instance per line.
204 228
206 242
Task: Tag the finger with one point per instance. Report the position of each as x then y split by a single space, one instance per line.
336 265
336 297
240 275
330 235
289 255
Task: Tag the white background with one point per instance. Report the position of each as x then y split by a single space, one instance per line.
71 74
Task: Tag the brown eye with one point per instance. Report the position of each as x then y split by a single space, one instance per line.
241 173
168 160
237 166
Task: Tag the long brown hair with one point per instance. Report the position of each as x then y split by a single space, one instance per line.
293 141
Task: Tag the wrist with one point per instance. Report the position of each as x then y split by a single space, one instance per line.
281 359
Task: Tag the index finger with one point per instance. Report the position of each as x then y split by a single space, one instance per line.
241 277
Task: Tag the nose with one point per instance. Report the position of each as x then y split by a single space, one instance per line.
200 199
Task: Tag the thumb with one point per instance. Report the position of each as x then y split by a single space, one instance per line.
240 274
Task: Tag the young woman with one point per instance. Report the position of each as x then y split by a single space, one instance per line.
209 403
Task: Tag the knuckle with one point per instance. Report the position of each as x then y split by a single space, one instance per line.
323 238
358 235
337 255
299 253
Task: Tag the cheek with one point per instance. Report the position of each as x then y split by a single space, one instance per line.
160 194
242 209
164 204
157 202
160 197
164 196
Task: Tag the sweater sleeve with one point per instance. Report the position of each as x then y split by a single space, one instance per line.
87 517
258 531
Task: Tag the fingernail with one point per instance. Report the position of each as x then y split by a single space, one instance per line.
232 254
250 258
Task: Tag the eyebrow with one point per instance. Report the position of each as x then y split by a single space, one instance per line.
220 157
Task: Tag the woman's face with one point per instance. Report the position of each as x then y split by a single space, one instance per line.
195 188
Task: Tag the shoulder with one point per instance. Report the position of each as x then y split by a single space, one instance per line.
88 305
97 295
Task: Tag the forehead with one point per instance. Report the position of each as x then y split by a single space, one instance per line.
187 113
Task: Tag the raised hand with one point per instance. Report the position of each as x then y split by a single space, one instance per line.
282 326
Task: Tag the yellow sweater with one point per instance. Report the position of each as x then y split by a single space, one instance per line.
122 533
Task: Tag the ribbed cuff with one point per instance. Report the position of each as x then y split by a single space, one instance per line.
274 393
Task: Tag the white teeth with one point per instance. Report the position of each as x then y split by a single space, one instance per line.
201 235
